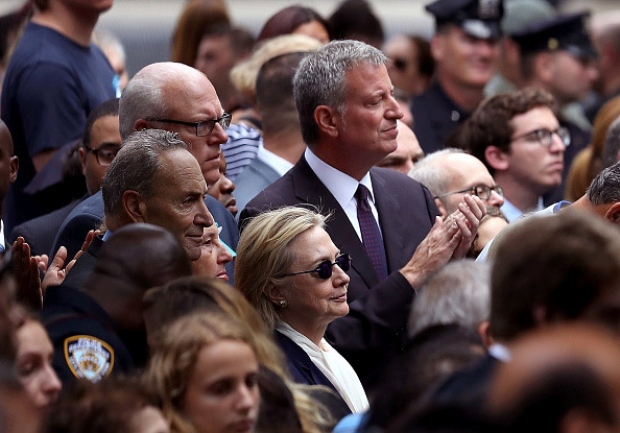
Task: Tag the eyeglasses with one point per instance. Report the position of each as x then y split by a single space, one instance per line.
482 191
545 136
105 153
202 128
325 268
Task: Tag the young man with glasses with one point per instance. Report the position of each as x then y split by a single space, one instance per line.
520 140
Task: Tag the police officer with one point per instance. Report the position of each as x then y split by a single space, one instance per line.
558 56
98 330
465 49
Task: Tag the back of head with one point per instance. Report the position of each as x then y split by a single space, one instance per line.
184 296
274 92
196 17
558 376
244 74
142 256
135 167
431 356
490 125
109 406
458 294
355 19
551 269
321 78
286 20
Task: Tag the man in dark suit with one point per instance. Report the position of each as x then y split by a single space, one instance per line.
155 180
349 122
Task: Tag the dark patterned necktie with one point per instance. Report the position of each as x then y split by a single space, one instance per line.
371 236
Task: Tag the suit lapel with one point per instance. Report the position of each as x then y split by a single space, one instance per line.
309 189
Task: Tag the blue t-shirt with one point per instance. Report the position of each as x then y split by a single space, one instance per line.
50 87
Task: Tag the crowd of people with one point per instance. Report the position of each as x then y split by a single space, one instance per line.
312 229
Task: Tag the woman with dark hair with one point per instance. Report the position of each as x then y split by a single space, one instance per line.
296 20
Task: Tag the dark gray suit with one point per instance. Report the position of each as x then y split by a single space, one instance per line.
372 332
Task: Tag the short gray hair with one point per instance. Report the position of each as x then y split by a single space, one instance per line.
428 173
143 97
459 293
320 80
605 187
136 166
611 147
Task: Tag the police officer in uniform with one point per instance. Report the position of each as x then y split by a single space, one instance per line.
558 56
465 49
98 330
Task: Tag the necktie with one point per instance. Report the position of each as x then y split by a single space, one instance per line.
371 236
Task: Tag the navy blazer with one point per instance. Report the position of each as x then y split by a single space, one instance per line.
373 332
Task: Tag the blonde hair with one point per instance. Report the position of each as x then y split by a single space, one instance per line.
243 75
174 359
263 254
189 295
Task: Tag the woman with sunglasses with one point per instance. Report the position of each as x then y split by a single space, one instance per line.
291 271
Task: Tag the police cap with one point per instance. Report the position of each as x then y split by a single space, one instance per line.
564 32
478 18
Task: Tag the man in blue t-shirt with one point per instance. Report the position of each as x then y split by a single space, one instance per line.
53 81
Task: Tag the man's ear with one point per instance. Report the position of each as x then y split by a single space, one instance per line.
438 47
497 158
442 209
327 120
82 153
134 206
13 168
485 335
140 125
613 213
544 67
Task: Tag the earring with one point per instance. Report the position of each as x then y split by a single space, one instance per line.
283 303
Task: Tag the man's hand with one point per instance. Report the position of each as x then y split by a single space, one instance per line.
57 271
471 210
27 274
449 238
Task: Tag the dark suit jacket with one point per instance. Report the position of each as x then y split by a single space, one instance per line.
304 371
372 332
88 215
84 265
40 232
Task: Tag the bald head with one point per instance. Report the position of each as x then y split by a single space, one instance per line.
169 96
150 92
447 171
406 154
556 375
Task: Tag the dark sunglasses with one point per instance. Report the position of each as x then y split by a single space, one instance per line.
325 268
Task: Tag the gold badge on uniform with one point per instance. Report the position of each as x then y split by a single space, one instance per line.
89 357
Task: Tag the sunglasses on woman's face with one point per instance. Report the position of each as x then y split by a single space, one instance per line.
325 269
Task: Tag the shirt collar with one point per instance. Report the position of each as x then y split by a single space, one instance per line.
341 185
